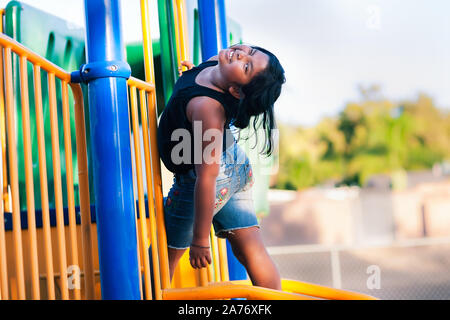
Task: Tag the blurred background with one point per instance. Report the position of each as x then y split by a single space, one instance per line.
359 193
361 197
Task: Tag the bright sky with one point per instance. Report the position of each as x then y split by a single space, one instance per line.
329 47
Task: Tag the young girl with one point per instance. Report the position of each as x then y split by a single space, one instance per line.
228 89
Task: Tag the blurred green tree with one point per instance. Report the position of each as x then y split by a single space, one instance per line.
370 136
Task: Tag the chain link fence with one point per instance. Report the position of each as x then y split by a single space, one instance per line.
411 269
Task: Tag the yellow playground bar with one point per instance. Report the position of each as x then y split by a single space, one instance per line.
52 243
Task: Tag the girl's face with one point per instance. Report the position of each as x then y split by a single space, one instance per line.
240 63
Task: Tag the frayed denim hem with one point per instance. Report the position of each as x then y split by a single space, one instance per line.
177 248
223 233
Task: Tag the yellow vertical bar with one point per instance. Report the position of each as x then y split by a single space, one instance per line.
135 198
3 259
157 187
83 178
215 256
177 30
43 183
4 182
147 42
14 176
141 199
139 255
29 178
182 30
223 259
203 276
151 204
209 268
69 179
58 186
156 165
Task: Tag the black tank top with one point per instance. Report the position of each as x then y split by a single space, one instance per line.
174 116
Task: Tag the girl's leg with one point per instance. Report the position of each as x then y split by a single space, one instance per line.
174 256
249 249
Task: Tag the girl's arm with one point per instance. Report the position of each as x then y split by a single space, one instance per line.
211 115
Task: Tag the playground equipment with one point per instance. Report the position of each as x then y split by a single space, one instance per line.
98 228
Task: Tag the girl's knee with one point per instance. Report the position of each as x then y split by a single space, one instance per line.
247 244
175 254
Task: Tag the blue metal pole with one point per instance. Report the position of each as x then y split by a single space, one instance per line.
208 29
223 23
236 271
208 37
111 151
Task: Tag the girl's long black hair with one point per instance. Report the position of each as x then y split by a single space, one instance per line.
259 98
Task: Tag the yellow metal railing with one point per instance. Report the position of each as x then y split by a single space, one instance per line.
154 188
147 229
21 273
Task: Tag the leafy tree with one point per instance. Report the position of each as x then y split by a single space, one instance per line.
370 136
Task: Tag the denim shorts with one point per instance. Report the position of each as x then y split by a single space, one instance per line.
233 207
